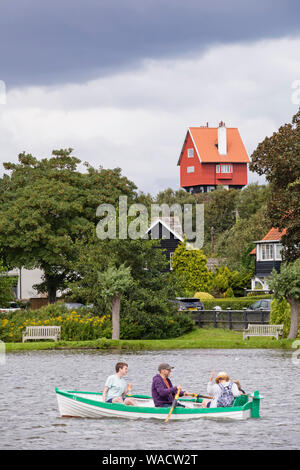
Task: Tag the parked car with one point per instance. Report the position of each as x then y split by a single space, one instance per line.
75 305
263 304
188 303
13 307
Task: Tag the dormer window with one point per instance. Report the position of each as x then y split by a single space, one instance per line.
190 153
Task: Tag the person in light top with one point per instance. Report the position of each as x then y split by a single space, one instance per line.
116 388
223 391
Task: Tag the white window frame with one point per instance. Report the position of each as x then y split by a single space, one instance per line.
278 249
266 252
224 168
190 169
190 153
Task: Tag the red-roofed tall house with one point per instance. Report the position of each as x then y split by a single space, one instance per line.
268 256
212 156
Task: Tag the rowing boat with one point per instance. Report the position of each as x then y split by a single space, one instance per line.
91 405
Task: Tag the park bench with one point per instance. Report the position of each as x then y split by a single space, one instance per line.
263 330
42 332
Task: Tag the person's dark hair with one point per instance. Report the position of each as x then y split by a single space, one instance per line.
120 365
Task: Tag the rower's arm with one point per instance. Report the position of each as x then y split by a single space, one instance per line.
104 393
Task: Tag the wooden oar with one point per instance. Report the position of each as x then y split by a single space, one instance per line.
173 405
197 395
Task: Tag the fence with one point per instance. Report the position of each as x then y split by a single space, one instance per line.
232 319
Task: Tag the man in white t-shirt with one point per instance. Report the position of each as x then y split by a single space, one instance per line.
116 389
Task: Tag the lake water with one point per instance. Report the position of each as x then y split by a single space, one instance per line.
30 420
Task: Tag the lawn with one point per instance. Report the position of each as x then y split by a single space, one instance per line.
214 338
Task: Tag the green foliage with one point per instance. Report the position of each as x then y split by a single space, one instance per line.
277 157
84 324
203 296
286 285
139 325
229 282
251 199
190 267
46 206
229 293
281 315
6 286
237 242
81 324
170 197
220 210
145 305
115 281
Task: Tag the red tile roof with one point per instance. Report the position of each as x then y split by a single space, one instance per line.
205 140
273 235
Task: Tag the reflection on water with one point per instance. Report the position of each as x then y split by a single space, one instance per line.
30 420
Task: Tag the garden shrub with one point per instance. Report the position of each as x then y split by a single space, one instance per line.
203 296
229 293
84 325
281 315
78 325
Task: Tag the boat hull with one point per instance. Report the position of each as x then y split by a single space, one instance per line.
89 405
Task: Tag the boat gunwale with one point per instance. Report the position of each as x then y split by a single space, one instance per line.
147 410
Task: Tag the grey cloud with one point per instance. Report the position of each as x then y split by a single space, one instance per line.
78 40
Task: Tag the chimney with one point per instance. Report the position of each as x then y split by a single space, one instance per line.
222 139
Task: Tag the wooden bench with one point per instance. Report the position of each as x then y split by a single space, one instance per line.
263 330
42 332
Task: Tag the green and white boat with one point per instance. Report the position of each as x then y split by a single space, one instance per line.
91 405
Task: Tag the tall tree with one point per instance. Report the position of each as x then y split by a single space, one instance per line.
278 158
48 204
113 283
6 286
286 285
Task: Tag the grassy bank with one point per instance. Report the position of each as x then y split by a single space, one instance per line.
198 338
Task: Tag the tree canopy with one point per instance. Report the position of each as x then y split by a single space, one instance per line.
278 158
48 204
286 285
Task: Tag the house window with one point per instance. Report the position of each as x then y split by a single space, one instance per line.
190 169
190 153
266 252
278 248
226 168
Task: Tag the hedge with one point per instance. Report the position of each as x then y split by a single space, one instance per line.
84 324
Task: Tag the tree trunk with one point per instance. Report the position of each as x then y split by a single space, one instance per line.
294 318
116 302
51 284
52 294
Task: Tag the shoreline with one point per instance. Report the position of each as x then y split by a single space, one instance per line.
212 338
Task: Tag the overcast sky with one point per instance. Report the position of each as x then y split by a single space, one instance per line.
120 81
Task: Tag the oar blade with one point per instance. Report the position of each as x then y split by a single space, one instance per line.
173 405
